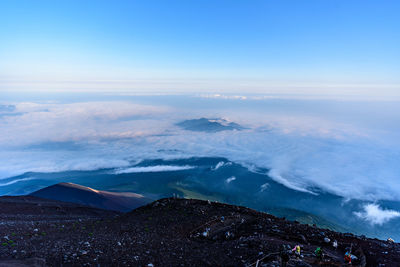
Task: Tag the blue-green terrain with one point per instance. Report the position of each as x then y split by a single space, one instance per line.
220 180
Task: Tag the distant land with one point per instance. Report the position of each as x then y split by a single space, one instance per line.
209 125
69 192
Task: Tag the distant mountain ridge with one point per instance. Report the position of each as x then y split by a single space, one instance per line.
69 192
127 201
209 125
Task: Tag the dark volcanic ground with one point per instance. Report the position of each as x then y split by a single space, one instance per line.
168 232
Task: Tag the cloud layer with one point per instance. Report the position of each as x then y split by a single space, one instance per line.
157 168
352 158
230 179
374 214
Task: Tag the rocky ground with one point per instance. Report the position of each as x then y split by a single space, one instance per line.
169 232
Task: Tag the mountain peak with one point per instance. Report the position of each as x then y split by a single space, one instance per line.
209 125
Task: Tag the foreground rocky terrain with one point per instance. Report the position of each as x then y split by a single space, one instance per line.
169 232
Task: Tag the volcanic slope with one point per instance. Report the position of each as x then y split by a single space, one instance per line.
69 192
169 232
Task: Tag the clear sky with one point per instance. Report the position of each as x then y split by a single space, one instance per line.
298 46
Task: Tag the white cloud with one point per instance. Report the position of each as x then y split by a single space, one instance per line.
80 121
374 214
238 97
264 187
230 179
157 168
299 151
221 164
16 181
295 185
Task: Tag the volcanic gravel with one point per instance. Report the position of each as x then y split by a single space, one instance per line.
170 232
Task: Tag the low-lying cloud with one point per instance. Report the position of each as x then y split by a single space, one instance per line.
89 121
264 187
300 151
157 168
221 164
230 179
16 181
374 214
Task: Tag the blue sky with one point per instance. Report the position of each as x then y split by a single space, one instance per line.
310 47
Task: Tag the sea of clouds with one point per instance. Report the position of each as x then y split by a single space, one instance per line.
301 144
